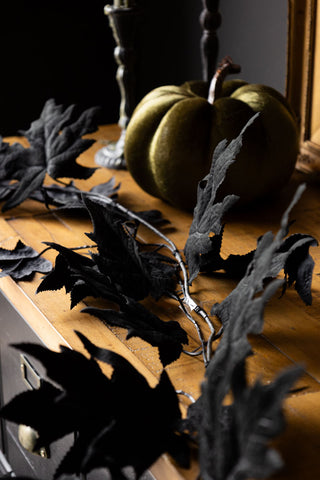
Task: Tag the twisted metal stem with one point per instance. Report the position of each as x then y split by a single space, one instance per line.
187 303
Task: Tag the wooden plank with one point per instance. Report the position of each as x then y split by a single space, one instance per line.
36 319
299 444
292 330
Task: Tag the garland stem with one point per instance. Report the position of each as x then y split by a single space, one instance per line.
187 301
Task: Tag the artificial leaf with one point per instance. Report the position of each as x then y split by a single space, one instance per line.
27 408
168 336
114 417
4 146
55 143
109 278
203 245
20 191
22 262
272 254
234 439
70 197
154 217
60 134
135 273
299 265
5 189
258 414
204 240
19 477
79 275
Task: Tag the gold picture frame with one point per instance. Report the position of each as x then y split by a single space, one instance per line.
303 78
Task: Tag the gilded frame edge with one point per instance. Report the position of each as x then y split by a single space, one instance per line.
299 81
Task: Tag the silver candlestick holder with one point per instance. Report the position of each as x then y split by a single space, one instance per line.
123 19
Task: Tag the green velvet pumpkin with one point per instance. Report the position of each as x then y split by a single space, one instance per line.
174 130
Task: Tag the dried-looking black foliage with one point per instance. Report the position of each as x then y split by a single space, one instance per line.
273 253
153 217
298 265
205 236
120 420
115 417
120 264
202 249
22 262
55 143
136 271
79 275
22 477
69 197
123 273
234 438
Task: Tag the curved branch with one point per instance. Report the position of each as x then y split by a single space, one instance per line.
187 303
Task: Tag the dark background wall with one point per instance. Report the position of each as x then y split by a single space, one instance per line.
54 48
252 32
64 49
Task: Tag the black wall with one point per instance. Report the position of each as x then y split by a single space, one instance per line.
60 49
169 43
64 49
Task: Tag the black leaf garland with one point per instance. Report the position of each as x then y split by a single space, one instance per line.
55 143
114 417
22 262
69 197
233 439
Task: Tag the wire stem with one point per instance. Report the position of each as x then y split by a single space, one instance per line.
187 302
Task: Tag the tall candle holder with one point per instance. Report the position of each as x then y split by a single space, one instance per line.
123 17
210 20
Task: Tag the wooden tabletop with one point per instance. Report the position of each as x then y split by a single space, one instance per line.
291 332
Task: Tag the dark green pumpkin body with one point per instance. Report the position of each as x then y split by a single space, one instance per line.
174 130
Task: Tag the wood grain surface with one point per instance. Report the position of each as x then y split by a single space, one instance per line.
291 333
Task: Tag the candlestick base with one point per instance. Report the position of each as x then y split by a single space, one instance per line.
123 19
111 156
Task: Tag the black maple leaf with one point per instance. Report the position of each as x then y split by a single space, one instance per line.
55 143
22 262
114 417
81 276
136 272
120 268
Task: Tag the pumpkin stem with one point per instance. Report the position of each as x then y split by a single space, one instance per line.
225 68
